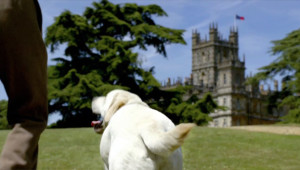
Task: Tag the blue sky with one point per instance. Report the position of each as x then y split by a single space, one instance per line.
265 21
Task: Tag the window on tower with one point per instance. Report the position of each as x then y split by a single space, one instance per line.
224 122
203 57
201 83
224 78
216 123
238 104
225 54
207 56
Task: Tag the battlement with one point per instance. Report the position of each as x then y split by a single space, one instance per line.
215 36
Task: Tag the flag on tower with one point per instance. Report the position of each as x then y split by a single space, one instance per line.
239 17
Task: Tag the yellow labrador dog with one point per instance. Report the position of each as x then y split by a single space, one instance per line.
136 137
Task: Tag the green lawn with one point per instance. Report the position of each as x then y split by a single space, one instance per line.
205 148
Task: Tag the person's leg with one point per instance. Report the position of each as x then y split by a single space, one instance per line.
21 148
23 71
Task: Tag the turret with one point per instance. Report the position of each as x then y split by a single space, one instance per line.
195 37
233 36
213 32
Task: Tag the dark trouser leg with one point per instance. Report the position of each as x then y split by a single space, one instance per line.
23 71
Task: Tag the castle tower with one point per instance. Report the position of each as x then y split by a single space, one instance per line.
204 59
216 67
233 37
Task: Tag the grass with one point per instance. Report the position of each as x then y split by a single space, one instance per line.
205 148
211 148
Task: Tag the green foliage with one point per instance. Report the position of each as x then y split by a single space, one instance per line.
292 117
276 100
3 112
193 110
99 56
286 65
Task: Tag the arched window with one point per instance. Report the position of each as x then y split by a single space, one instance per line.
224 122
238 104
201 83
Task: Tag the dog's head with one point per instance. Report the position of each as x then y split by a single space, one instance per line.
108 105
98 108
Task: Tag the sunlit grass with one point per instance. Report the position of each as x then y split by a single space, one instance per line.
214 148
205 148
76 148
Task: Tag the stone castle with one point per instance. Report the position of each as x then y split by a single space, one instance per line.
218 69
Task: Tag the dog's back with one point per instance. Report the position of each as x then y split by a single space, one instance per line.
145 139
136 136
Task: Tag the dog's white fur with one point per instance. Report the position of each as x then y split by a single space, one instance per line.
136 136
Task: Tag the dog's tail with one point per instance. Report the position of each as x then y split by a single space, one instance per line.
164 143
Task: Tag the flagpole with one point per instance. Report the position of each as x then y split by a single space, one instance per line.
234 22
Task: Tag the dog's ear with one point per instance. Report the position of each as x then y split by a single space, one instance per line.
117 102
98 105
